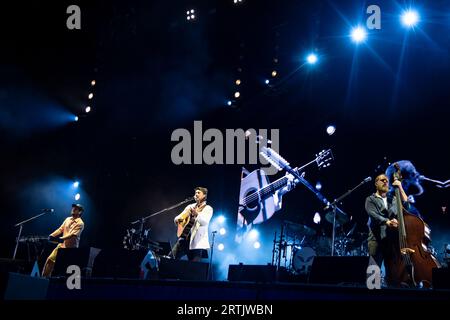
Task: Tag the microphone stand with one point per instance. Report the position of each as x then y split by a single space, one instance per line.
210 271
143 219
334 206
20 225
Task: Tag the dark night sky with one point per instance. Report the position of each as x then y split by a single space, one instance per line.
156 72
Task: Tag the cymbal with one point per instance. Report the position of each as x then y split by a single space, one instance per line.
341 217
299 229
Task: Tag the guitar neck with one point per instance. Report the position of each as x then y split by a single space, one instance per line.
270 189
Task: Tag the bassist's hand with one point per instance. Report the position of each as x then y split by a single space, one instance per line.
393 223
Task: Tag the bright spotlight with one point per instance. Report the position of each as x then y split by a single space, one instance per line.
76 184
77 197
311 58
76 118
331 130
257 245
359 34
221 219
222 231
88 109
253 234
220 247
190 14
229 103
90 96
267 81
237 94
317 218
410 18
93 83
318 186
238 82
274 73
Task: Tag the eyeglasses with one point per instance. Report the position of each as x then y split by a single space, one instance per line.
383 180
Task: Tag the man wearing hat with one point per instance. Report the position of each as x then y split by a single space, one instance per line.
71 230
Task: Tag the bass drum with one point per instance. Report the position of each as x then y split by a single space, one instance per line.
303 259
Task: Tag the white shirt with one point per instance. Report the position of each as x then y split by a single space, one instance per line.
199 232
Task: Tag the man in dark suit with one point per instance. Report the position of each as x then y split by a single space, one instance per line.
382 213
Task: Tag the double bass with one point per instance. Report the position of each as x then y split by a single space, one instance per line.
410 261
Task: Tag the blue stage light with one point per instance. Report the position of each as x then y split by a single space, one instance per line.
318 186
317 218
358 34
77 197
257 245
221 247
410 18
331 130
311 58
222 231
76 184
253 234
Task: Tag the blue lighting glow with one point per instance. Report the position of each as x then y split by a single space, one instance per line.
312 58
410 18
358 34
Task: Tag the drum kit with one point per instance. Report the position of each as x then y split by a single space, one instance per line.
297 245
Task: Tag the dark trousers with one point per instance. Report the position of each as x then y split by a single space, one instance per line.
381 250
181 248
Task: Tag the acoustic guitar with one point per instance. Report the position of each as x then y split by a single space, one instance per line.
184 227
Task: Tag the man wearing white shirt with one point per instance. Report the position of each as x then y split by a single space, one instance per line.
194 221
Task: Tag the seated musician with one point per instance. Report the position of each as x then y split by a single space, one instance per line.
194 242
71 230
383 225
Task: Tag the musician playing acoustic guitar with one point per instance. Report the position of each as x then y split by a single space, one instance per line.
193 223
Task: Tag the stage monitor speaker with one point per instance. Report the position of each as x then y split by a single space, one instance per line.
252 273
183 269
15 286
82 257
118 263
339 270
441 278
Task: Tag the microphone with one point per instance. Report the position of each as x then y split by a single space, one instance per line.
214 232
368 179
48 210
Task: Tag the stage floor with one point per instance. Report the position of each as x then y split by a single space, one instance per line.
177 290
